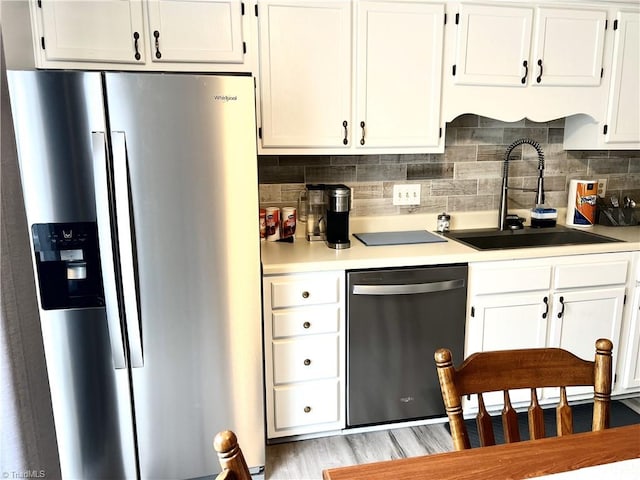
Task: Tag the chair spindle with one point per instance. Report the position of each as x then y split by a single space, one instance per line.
509 421
564 415
483 422
536 418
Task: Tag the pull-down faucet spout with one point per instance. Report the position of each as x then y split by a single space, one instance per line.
502 214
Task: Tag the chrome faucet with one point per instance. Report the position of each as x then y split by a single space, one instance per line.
502 214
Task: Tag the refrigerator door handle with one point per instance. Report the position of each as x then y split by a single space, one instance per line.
114 322
126 233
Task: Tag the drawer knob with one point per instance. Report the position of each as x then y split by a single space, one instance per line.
307 409
306 325
305 294
307 362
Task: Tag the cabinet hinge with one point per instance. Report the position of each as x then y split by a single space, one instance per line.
445 18
615 24
42 42
473 311
606 24
615 377
244 47
440 133
454 70
624 300
39 3
604 130
242 8
260 132
256 9
602 72
457 18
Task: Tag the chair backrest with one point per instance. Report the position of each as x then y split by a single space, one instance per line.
234 466
515 369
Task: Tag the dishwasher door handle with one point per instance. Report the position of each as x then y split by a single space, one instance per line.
408 289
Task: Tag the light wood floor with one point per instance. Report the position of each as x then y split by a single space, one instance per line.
305 459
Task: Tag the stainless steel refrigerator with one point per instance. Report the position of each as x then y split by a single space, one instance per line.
141 198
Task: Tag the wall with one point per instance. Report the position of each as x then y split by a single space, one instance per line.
467 177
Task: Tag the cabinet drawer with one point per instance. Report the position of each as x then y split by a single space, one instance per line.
591 274
307 358
305 321
298 291
500 279
308 404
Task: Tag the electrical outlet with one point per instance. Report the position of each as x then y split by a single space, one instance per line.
406 194
602 187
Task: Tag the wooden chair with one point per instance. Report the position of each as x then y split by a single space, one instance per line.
528 368
234 466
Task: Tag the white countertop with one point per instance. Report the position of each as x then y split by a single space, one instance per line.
304 256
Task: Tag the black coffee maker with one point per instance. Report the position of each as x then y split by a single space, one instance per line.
338 202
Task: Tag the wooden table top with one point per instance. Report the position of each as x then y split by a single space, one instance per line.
513 461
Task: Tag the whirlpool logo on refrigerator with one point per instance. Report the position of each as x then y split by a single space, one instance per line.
225 98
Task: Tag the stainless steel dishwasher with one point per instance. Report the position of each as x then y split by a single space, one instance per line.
396 319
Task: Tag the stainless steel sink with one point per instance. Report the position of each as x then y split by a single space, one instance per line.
493 239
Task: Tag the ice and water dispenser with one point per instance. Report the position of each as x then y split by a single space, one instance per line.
68 265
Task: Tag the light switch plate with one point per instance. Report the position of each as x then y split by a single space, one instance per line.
406 194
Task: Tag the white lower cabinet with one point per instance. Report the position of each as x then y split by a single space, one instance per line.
566 302
305 408
580 317
631 335
304 353
631 376
505 322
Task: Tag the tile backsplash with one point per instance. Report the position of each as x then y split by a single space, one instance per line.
466 177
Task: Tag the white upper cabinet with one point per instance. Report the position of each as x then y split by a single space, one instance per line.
510 61
395 109
623 115
493 44
619 129
166 35
350 77
195 31
105 31
568 48
502 45
305 77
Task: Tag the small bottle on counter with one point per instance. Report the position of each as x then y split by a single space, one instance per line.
444 221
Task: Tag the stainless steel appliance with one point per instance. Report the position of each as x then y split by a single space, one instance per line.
312 210
338 203
148 266
396 320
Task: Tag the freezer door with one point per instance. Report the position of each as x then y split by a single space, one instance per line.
189 157
54 115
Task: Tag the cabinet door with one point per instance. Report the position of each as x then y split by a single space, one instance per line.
493 44
395 109
631 375
568 47
623 116
83 30
305 80
195 31
505 322
580 317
